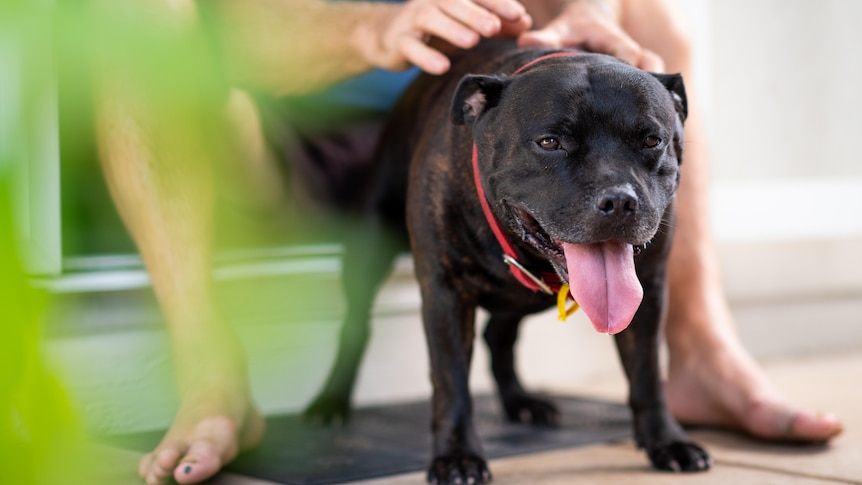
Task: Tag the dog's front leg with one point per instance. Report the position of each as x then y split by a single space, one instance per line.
449 329
656 430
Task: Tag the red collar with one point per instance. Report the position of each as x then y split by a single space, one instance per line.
545 57
546 282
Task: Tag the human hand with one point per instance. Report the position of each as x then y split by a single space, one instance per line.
401 38
588 25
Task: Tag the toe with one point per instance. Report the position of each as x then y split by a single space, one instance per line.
774 420
201 462
814 427
155 468
214 443
166 458
144 465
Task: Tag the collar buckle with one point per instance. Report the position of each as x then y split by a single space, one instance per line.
535 279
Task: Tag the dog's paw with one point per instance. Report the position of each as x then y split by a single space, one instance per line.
327 411
524 408
679 456
458 468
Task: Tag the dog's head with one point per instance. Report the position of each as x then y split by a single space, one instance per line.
580 156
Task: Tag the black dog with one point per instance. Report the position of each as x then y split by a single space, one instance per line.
565 165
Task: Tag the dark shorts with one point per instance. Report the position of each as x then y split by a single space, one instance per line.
326 153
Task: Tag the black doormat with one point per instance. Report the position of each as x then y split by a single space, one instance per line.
394 439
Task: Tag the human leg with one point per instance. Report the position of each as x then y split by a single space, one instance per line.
164 193
157 164
712 379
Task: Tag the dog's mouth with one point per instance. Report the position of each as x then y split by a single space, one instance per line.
534 234
601 275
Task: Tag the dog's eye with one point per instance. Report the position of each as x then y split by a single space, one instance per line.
652 141
549 143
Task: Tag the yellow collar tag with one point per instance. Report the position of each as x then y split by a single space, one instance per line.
561 303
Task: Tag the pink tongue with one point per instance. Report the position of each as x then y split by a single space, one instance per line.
602 280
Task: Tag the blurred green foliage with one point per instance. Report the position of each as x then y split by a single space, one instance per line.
170 73
174 75
39 433
40 438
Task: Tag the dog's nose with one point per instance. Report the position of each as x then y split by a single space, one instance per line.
617 202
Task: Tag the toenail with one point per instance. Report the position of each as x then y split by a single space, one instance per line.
187 469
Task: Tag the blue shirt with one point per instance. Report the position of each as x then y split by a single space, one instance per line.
377 90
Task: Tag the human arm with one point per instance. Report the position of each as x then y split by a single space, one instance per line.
297 46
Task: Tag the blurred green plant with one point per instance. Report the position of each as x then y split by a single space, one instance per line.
171 75
39 432
40 436
170 72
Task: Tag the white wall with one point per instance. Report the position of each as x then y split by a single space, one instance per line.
784 103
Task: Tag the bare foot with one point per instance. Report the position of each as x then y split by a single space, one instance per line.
216 420
193 453
721 385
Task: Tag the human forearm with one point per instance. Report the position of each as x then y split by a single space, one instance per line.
293 46
296 46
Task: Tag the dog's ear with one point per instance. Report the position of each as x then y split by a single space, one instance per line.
674 84
476 94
